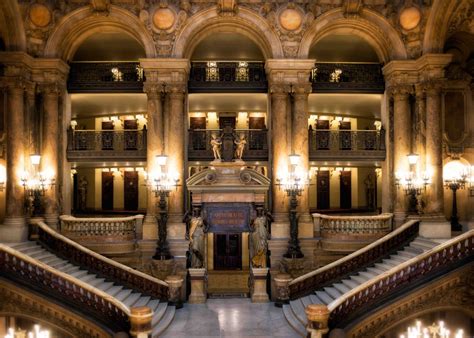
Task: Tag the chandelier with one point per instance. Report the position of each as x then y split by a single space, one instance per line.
434 331
36 333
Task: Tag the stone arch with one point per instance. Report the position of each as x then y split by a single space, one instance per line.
437 25
370 26
77 26
246 22
11 25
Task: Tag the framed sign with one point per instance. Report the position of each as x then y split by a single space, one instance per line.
228 218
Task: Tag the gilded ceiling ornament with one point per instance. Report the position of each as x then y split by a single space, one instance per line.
40 15
410 18
291 19
164 18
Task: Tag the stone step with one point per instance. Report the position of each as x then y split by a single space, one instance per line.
159 312
398 259
97 281
324 297
105 286
306 300
164 322
383 266
88 278
293 321
376 270
368 274
33 251
298 309
391 262
360 279
70 269
79 274
21 245
142 301
153 304
333 292
342 287
413 250
315 299
132 299
351 284
114 290
122 295
406 254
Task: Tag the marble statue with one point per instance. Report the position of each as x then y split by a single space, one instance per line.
259 240
240 145
197 233
216 144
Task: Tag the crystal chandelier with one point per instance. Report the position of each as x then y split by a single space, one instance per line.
434 331
36 333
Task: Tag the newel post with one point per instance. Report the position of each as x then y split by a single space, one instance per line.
282 284
318 317
175 283
140 321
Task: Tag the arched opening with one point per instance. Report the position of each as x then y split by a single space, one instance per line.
343 48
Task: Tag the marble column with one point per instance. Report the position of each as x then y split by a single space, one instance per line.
434 150
14 228
420 128
299 140
279 155
402 142
154 147
50 150
176 149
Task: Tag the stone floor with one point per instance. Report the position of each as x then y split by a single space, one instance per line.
229 318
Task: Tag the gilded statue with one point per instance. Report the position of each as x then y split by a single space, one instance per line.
240 145
197 234
259 239
216 144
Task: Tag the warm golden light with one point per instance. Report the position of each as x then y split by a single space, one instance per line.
35 159
412 158
161 159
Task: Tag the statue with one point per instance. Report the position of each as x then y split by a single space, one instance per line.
82 193
240 145
216 146
259 239
370 190
197 234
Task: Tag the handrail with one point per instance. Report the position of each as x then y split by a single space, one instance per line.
99 219
407 272
353 224
356 260
114 305
129 277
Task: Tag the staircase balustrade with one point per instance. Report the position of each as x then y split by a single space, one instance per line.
353 225
354 262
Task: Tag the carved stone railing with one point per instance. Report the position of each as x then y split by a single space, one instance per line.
405 276
227 76
92 77
354 262
106 145
348 144
353 78
103 235
103 266
199 146
29 272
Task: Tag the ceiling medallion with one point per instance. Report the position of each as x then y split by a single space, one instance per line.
164 18
291 19
410 18
40 15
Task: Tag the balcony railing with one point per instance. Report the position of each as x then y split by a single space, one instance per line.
247 77
348 144
91 77
199 144
348 78
106 144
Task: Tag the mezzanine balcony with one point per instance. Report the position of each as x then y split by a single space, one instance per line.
346 144
106 145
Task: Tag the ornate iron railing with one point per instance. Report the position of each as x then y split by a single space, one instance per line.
27 271
90 77
106 144
435 262
348 78
227 76
354 262
93 262
353 225
199 143
349 144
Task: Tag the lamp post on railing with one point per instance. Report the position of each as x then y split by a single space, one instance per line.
293 183
455 176
412 183
161 184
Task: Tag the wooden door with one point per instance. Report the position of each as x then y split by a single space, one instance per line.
345 142
130 190
322 135
345 190
228 251
130 134
226 121
107 190
257 123
107 135
322 188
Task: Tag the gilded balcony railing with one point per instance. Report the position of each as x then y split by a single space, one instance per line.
106 144
348 144
199 143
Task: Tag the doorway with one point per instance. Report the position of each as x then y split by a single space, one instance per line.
107 190
227 251
322 187
226 121
345 190
130 190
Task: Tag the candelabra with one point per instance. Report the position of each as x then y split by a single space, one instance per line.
433 331
161 184
293 183
455 176
36 333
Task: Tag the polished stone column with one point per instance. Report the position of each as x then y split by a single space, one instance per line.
420 128
299 141
14 228
154 147
50 150
434 150
402 140
176 149
279 155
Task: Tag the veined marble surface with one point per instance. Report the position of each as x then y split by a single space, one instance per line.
229 318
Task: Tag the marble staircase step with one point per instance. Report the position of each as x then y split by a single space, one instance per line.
324 297
350 283
142 301
293 321
122 295
132 299
165 321
153 304
159 312
333 292
298 309
342 287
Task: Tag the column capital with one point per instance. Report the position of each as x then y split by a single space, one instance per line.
176 90
153 89
400 91
432 87
419 91
279 89
51 88
301 91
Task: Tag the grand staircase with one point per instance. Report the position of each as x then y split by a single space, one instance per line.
40 256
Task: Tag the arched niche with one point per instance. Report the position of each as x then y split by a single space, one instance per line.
245 23
343 48
75 28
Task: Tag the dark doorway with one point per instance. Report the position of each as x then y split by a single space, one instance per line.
322 134
345 135
228 251
130 190
345 190
257 123
107 135
107 190
323 192
226 121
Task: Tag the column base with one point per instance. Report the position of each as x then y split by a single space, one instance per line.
435 227
14 229
259 289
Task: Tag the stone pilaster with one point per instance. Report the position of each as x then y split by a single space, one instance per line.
420 128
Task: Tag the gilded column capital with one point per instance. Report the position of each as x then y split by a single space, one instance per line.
153 90
280 89
301 91
401 91
176 90
433 87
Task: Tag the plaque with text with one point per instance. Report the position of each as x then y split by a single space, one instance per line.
228 218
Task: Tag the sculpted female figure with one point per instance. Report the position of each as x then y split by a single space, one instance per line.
197 232
259 240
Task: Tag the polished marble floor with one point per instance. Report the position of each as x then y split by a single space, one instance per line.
229 318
